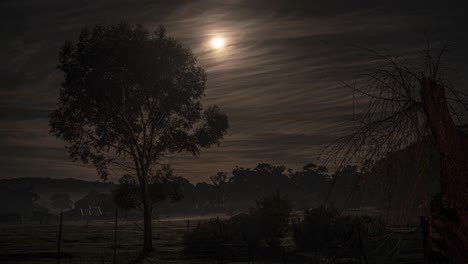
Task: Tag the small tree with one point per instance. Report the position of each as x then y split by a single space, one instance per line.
404 104
128 99
61 201
273 214
219 180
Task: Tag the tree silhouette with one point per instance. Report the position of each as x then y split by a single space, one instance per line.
128 99
219 180
403 106
162 185
273 214
61 201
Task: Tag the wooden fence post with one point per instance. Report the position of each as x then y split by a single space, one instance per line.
115 236
426 239
59 238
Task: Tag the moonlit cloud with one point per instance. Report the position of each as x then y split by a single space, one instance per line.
279 76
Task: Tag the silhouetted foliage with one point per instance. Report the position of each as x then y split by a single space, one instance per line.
17 201
247 228
272 213
315 230
323 229
162 186
129 98
407 103
268 221
61 201
103 200
208 238
41 214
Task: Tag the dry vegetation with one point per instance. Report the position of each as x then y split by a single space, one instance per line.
93 243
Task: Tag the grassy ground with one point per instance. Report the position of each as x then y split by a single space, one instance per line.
94 243
87 243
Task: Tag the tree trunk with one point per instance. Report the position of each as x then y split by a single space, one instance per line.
147 216
448 212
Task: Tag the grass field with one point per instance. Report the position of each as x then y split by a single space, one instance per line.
88 243
94 243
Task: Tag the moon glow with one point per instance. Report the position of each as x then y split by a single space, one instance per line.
217 42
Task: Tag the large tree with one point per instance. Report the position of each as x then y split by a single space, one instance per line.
402 105
130 97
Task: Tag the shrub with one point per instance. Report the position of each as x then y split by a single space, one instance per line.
269 220
272 215
208 238
246 229
325 227
315 230
343 229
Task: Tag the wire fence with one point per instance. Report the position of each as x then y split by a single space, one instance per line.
119 242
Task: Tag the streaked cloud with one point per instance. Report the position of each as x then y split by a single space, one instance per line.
279 78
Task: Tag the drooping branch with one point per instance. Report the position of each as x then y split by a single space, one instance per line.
392 111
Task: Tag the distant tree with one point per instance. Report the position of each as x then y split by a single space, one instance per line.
61 201
128 99
20 201
40 214
219 180
404 105
312 180
247 184
344 186
162 186
104 200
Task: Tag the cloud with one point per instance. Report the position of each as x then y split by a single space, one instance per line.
279 78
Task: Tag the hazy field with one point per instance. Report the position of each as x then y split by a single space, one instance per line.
93 243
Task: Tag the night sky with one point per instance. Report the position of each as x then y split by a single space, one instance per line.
279 77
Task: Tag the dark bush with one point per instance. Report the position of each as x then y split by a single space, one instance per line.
242 234
272 214
315 229
208 239
343 228
246 229
326 228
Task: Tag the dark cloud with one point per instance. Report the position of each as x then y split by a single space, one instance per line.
279 78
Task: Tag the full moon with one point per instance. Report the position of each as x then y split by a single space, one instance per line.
217 42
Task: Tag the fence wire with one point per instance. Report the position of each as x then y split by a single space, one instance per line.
93 241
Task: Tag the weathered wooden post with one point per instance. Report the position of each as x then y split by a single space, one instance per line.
115 236
425 234
59 238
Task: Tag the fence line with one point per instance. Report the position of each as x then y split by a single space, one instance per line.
119 241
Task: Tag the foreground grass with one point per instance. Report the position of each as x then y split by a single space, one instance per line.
93 242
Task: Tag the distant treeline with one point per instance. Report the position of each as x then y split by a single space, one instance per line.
384 186
395 181
401 180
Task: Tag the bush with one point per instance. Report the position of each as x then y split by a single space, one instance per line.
269 220
343 229
272 215
315 230
325 227
208 238
246 229
235 238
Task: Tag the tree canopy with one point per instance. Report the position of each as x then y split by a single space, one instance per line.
129 98
131 94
